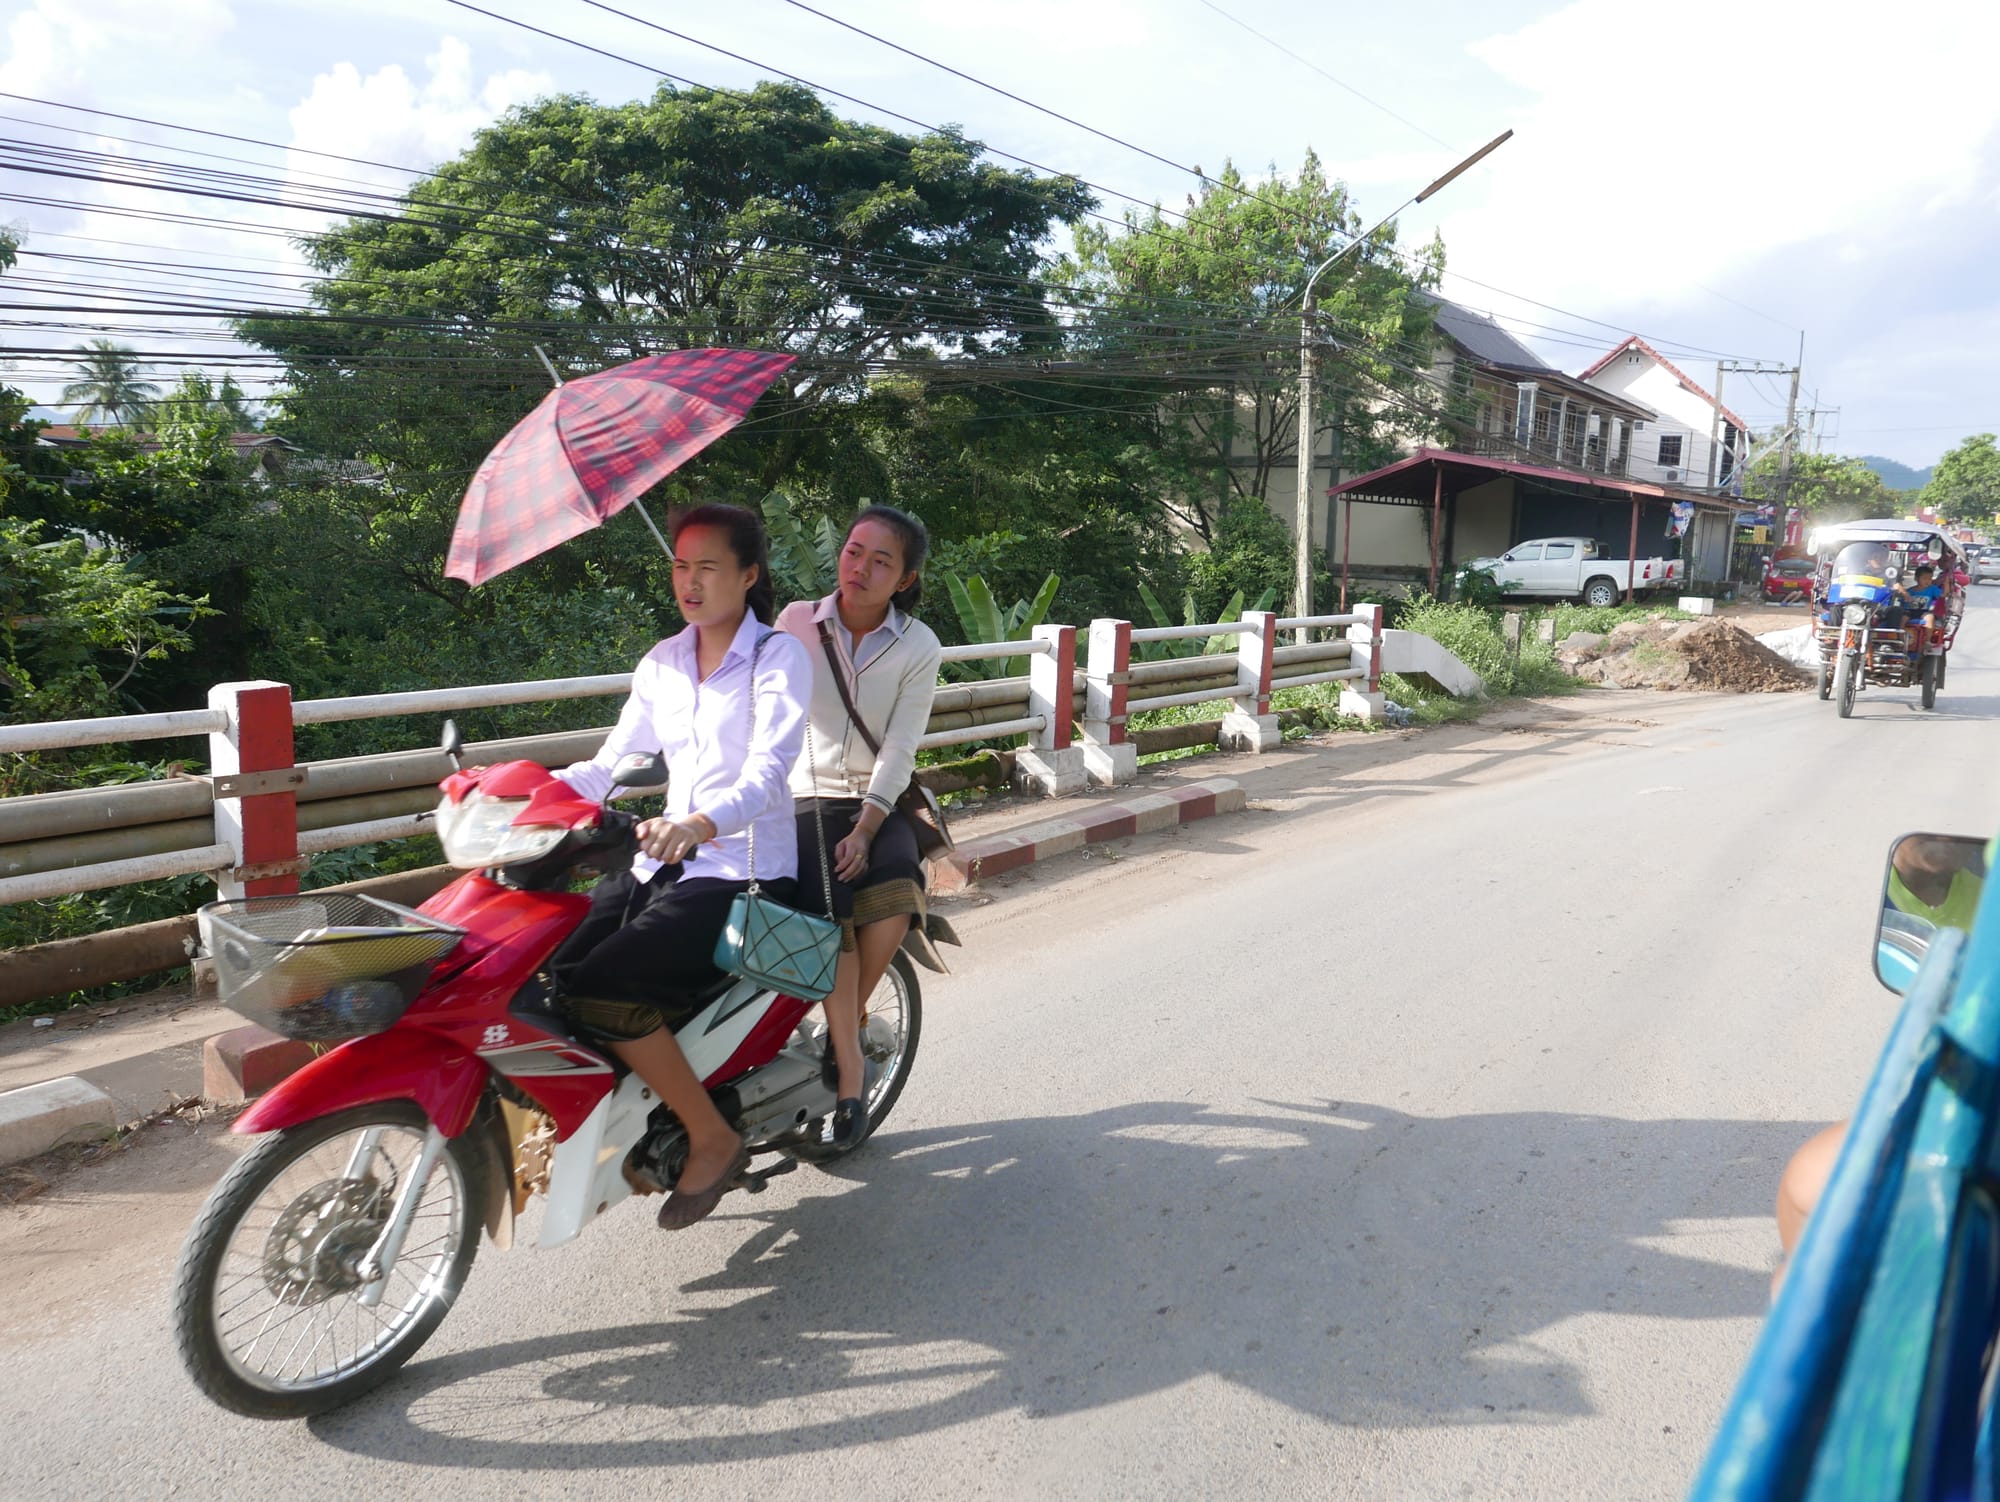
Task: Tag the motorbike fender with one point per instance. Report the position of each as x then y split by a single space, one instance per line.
587 1169
444 1079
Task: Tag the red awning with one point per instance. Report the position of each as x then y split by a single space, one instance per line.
1414 480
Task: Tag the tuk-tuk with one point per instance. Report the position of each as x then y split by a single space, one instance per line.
1868 632
1875 1374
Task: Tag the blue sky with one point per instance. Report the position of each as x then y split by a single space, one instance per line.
1716 175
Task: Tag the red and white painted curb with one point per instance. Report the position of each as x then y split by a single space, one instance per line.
997 854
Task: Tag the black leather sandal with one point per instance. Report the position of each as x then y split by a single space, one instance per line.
683 1209
850 1116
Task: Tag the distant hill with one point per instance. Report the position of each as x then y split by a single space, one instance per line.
1897 476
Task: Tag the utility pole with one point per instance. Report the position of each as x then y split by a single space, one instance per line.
1715 429
1790 444
1302 584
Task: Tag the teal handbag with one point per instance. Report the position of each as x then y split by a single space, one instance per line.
765 941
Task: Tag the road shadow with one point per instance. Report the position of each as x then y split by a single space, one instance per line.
1892 710
1364 1266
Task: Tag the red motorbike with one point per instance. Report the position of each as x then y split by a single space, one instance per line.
457 1091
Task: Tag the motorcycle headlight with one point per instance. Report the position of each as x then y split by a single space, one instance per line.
479 831
1855 615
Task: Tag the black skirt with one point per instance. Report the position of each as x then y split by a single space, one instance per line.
891 887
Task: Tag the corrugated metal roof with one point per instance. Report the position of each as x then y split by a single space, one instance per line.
1482 338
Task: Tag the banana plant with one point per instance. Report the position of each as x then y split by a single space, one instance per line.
983 620
1193 646
805 561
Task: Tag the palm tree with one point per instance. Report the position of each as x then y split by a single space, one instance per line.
109 386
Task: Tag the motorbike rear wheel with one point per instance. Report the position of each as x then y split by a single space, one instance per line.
889 1047
1927 676
1843 683
267 1312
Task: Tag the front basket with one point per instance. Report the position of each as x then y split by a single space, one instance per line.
322 965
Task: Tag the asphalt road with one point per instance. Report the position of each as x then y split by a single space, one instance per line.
1410 1135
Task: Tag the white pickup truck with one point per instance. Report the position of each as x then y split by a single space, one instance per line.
1574 568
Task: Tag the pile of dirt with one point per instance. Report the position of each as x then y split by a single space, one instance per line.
1709 655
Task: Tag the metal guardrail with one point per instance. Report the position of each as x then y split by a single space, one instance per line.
57 844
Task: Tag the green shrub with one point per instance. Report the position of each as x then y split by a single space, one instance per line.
1473 636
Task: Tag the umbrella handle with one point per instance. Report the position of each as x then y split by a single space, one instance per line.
653 527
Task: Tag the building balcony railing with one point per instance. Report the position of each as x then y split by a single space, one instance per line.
1586 458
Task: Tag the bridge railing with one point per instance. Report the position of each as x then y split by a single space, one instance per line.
256 819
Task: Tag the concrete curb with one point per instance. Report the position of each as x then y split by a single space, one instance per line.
998 854
244 1062
36 1119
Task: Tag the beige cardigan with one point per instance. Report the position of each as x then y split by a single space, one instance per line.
893 691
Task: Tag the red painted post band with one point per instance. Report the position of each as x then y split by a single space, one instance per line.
1121 691
1062 727
1375 650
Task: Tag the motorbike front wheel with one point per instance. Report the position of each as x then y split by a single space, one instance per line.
268 1312
1843 683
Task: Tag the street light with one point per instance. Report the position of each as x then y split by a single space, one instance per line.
1302 593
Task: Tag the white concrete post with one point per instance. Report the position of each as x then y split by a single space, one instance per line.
1365 639
1050 766
1249 725
1109 758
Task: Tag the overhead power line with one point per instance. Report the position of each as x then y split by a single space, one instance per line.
1340 83
1671 346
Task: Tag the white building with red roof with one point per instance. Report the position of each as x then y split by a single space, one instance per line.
1675 450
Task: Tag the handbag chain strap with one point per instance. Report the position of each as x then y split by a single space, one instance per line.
819 825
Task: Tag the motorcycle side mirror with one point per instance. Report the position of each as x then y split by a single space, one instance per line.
640 769
453 745
1933 881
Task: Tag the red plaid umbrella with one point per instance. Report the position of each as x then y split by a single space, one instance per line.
594 446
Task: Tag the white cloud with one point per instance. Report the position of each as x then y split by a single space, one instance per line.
61 45
1663 147
387 116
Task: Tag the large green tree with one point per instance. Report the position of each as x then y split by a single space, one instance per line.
697 217
603 232
1204 309
1965 487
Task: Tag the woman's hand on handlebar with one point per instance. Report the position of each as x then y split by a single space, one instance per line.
673 841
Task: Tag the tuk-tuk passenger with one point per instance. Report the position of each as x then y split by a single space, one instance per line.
1919 602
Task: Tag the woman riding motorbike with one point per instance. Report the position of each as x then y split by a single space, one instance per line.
874 673
649 939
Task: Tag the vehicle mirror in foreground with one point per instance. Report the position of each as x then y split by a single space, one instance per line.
641 769
453 744
1933 881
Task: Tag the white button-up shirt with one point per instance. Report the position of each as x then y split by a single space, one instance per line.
717 764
